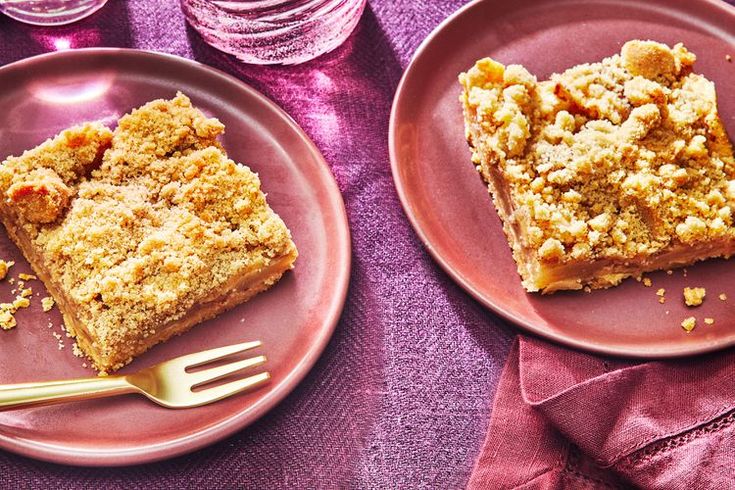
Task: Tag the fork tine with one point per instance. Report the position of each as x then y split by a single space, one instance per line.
232 388
215 373
199 358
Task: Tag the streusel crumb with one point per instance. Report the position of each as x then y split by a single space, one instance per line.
7 320
4 267
66 158
689 323
694 296
7 310
709 321
47 303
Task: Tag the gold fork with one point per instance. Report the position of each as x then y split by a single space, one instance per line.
167 383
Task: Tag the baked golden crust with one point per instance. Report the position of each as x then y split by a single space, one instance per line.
605 170
164 225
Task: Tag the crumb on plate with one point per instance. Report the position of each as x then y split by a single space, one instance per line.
7 320
47 303
4 266
694 296
689 323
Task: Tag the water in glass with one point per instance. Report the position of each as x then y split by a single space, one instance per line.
274 31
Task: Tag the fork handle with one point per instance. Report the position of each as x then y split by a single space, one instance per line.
46 393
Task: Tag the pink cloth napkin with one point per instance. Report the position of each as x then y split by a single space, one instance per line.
564 419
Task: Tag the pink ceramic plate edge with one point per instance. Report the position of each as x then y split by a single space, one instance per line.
217 432
468 285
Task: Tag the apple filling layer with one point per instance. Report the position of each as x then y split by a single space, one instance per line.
142 233
606 170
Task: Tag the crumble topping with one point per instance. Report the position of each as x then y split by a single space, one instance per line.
7 310
41 198
4 267
709 321
47 303
689 323
612 160
723 297
137 226
7 320
21 302
694 296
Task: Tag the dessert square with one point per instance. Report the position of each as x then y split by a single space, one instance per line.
143 232
604 171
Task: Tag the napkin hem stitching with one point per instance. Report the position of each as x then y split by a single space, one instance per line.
572 469
655 448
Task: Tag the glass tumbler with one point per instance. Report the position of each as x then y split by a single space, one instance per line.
49 12
267 32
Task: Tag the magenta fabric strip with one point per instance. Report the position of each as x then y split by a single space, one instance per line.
400 399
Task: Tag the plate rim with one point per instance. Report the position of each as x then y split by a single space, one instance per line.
485 300
229 426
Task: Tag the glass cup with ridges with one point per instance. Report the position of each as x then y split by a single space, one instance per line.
49 12
274 31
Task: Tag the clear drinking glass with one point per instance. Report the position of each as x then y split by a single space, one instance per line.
49 12
274 31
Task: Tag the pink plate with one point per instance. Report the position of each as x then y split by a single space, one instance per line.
448 203
41 96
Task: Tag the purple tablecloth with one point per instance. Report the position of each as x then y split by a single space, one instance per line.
401 397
